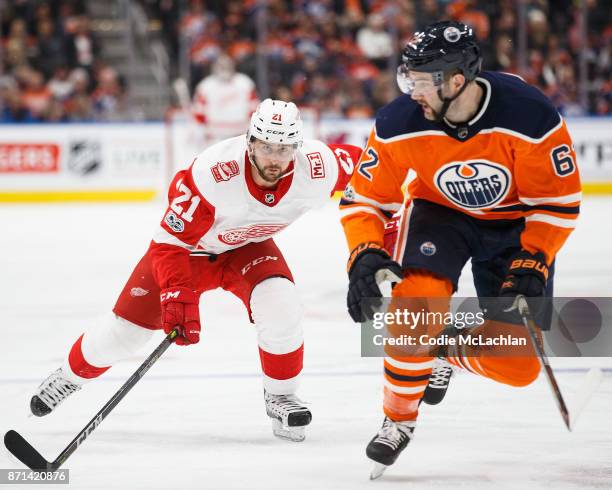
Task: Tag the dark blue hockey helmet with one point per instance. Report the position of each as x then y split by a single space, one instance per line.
443 47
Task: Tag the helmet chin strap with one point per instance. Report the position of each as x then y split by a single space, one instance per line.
446 102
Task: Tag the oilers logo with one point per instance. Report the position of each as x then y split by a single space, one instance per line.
428 248
473 184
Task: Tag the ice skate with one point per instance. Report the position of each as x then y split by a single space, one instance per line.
387 445
438 382
51 392
289 416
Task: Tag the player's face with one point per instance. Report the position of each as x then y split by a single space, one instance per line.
425 92
272 159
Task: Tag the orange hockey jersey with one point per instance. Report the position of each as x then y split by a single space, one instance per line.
514 159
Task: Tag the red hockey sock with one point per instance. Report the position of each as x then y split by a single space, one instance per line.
282 366
80 366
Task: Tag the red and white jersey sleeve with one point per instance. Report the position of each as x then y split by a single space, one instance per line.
187 218
347 157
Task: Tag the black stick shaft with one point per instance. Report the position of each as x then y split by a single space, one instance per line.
114 401
532 328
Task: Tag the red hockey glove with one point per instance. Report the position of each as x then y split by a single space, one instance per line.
179 308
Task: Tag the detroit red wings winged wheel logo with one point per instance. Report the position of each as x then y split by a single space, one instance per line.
237 236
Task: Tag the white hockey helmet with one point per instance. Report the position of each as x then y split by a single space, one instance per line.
276 121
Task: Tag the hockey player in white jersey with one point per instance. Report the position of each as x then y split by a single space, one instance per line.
217 232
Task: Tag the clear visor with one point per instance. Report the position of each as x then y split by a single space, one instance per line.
277 151
416 86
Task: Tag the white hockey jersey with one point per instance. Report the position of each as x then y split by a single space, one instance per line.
215 205
224 105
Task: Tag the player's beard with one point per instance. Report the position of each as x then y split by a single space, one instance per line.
429 112
271 174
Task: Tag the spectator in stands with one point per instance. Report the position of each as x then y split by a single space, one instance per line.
82 46
18 46
36 95
60 85
50 48
375 42
310 47
79 105
108 99
14 110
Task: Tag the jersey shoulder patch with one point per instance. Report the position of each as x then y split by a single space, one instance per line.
318 161
219 165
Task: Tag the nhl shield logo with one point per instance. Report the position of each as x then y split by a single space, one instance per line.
84 157
474 184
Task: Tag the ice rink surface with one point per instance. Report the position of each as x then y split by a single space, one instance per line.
197 419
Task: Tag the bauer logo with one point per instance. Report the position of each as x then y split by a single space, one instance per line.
175 223
224 171
473 184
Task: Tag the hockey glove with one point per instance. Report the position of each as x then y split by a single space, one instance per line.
180 308
527 275
368 265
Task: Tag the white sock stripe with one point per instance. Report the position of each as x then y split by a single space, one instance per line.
404 390
410 366
281 386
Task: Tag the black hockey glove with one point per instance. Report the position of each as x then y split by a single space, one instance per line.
527 275
368 265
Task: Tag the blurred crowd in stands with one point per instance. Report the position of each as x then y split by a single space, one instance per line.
337 56
51 65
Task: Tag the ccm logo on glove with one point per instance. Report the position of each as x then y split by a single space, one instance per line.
180 309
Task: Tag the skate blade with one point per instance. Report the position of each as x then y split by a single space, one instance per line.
293 434
377 471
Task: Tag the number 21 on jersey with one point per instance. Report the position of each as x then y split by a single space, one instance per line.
186 196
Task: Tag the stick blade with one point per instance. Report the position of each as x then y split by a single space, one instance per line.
24 452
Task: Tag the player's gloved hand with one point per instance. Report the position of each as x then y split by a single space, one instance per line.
180 308
368 266
527 275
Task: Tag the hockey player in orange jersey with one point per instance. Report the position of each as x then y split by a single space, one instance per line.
496 182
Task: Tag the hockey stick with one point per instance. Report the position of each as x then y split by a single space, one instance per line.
29 456
532 328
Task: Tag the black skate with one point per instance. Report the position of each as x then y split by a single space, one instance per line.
289 416
51 392
438 382
387 445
